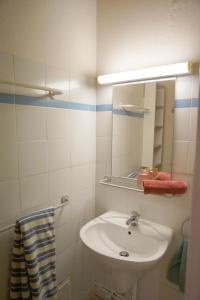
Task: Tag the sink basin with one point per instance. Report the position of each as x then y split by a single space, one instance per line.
121 247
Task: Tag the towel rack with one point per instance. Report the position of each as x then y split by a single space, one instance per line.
64 201
182 227
51 91
107 180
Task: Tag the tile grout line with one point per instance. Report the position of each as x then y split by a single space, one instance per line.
17 144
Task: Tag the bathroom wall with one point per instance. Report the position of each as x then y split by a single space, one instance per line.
136 34
48 146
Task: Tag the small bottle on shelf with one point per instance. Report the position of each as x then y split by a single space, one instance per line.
146 173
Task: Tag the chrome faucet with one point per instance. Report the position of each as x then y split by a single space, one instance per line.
134 218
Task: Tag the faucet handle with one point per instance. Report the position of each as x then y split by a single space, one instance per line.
135 213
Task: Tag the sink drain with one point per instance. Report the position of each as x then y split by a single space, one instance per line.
124 253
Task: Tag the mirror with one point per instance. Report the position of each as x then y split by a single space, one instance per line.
142 127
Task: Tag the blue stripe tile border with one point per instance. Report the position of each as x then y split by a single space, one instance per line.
25 100
195 102
7 98
184 103
33 101
104 107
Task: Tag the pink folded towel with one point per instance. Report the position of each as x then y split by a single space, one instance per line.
163 176
159 187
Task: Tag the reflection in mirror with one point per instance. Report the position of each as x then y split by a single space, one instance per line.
142 127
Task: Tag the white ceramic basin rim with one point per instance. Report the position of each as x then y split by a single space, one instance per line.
107 235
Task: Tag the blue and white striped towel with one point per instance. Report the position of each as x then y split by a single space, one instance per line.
33 266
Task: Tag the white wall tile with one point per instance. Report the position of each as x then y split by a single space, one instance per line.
115 146
59 185
6 240
10 202
8 91
104 149
31 123
187 87
92 150
8 161
103 169
80 150
183 87
191 157
119 125
64 263
32 158
64 215
104 124
193 123
79 203
180 155
77 274
58 123
64 289
92 127
7 123
82 88
57 78
181 124
104 93
90 210
6 66
117 166
80 122
92 178
84 123
64 238
89 267
58 154
80 177
195 85
34 191
29 72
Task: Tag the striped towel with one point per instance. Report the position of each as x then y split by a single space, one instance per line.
33 267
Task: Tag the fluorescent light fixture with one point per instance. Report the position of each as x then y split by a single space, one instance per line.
146 81
148 73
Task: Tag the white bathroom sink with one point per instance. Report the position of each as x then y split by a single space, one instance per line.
108 235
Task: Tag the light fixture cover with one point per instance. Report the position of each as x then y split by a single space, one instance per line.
147 73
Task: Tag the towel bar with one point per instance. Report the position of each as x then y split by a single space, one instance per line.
64 201
183 234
